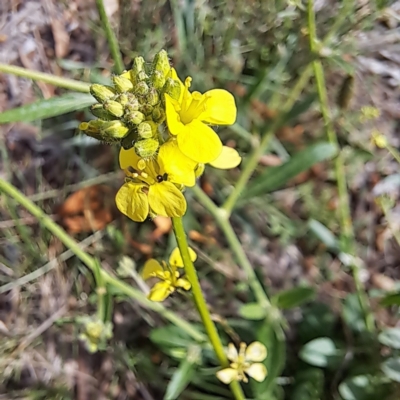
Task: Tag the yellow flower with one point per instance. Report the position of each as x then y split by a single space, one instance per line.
151 188
247 361
187 119
169 276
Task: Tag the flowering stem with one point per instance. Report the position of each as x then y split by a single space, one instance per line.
90 262
344 204
200 302
111 38
71 84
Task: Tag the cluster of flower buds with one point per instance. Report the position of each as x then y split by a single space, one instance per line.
132 111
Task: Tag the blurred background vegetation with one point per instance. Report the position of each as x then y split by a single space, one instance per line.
287 220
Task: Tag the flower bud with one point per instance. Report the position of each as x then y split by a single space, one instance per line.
114 129
158 115
133 105
122 98
141 88
172 88
134 117
146 109
138 72
122 84
114 108
101 93
157 79
161 63
146 148
147 129
152 97
98 111
93 126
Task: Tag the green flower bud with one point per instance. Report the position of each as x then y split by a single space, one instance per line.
147 129
141 88
94 126
102 93
122 84
161 63
98 111
138 72
157 79
146 148
114 108
158 115
199 170
134 117
129 140
173 88
133 105
146 109
152 97
123 99
114 130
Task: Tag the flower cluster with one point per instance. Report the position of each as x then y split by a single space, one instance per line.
168 275
247 361
164 132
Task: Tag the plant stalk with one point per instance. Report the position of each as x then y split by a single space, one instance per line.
111 38
66 83
200 302
348 238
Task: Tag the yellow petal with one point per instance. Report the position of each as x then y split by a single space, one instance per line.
180 169
256 352
175 126
183 283
220 108
150 268
128 158
132 202
175 259
257 371
160 291
166 199
227 375
199 142
232 352
229 158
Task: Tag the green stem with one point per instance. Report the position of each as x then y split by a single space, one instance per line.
71 84
294 94
221 217
111 38
90 262
200 302
348 238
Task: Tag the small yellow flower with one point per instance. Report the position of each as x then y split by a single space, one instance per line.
95 333
379 140
169 276
247 361
189 116
151 188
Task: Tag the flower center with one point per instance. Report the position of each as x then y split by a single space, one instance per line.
193 104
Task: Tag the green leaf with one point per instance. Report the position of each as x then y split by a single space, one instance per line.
252 311
392 299
355 388
272 336
323 234
300 107
183 375
170 337
390 337
276 177
293 297
391 368
319 352
47 108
